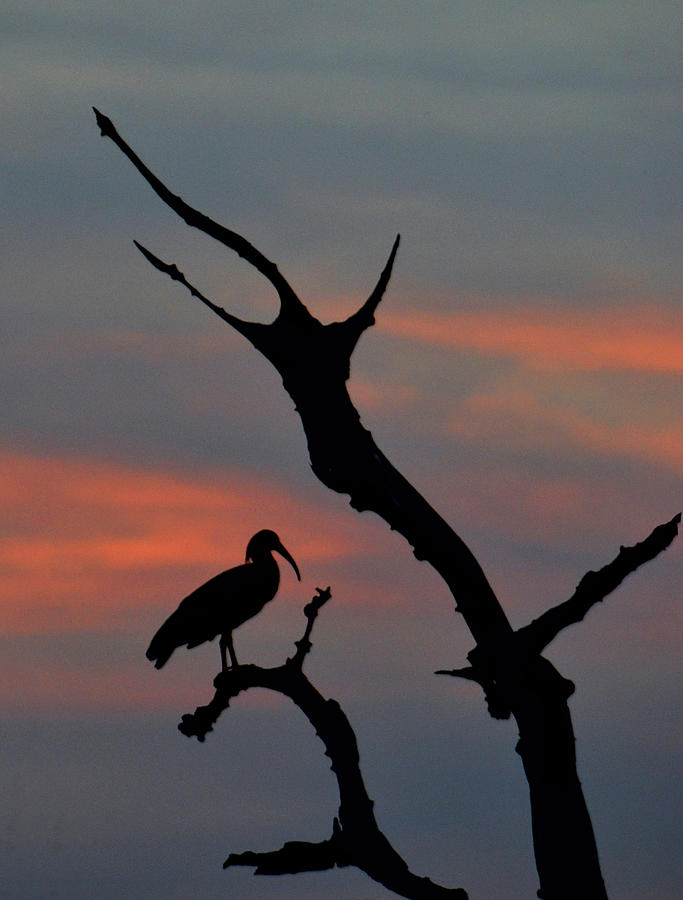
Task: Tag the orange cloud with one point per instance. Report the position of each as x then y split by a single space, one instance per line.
516 416
87 541
94 555
385 398
646 340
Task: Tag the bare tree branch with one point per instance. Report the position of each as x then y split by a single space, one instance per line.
497 706
468 673
594 587
198 220
311 610
250 330
295 856
364 318
367 310
356 839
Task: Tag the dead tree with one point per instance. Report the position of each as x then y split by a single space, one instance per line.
313 360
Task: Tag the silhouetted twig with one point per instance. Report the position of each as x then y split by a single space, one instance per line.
174 272
295 856
198 220
311 610
495 703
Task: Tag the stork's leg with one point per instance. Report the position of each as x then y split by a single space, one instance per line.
231 651
226 641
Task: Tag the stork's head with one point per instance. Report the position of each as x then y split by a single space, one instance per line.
266 541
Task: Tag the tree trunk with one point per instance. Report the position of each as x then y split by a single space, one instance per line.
564 843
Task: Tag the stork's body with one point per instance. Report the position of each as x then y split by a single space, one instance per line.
224 603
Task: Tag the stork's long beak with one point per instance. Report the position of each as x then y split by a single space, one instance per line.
282 550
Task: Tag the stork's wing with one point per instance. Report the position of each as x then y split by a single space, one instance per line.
196 620
220 605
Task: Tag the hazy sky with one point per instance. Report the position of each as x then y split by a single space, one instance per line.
524 373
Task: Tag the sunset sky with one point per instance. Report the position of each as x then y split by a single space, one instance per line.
524 373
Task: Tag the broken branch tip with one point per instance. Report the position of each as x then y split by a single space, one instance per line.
104 123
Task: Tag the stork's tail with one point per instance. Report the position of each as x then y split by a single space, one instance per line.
159 652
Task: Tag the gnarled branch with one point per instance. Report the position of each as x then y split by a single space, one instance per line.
356 839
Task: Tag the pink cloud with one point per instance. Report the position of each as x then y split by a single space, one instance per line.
515 415
554 340
384 398
88 540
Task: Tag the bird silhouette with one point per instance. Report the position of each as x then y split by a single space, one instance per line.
224 603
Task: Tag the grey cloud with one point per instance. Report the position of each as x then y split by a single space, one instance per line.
532 148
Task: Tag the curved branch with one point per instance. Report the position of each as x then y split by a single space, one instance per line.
356 839
364 318
367 310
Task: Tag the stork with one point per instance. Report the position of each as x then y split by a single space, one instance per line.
224 603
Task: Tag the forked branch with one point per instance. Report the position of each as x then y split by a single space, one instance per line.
290 304
198 220
313 360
